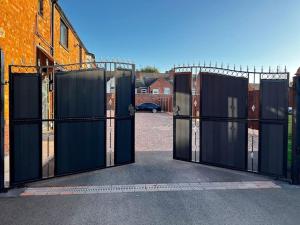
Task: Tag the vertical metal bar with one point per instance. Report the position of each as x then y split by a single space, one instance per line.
174 118
133 117
39 74
2 130
247 125
11 128
200 116
295 175
105 114
260 123
56 122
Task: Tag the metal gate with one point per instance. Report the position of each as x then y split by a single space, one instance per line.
68 119
218 119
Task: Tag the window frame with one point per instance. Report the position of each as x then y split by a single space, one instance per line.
169 91
66 46
155 91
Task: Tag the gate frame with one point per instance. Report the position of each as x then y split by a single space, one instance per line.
295 133
282 75
2 126
79 67
12 183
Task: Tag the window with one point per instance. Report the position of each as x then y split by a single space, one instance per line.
64 33
167 91
41 7
155 91
143 90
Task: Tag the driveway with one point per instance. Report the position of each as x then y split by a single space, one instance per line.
156 190
153 132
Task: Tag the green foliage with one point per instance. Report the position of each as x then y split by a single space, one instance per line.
149 69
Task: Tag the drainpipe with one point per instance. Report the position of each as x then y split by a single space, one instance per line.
52 26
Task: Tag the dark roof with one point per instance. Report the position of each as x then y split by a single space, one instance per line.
149 80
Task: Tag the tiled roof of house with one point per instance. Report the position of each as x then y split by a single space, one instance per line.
298 72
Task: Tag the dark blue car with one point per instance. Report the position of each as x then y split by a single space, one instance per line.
148 107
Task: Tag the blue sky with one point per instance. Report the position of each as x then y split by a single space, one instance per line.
167 32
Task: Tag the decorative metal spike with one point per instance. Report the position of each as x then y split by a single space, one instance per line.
285 70
269 69
234 67
228 66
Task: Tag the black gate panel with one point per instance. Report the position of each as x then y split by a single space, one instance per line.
224 96
273 127
182 137
80 129
26 155
124 125
223 144
182 123
80 147
25 128
274 102
272 152
224 130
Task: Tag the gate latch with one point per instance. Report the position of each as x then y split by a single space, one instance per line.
131 110
176 110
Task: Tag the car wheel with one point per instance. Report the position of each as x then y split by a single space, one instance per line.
154 110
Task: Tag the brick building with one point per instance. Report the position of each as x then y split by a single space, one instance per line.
37 32
155 88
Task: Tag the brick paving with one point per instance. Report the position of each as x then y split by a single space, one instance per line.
153 132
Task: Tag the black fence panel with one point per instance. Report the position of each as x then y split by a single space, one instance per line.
296 132
124 124
273 127
224 132
25 128
182 123
80 129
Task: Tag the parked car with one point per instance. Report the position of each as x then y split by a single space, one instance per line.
148 107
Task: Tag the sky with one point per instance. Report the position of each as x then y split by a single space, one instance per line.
163 33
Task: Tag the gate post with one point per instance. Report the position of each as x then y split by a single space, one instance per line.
2 170
296 132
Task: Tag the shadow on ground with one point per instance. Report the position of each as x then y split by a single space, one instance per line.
152 168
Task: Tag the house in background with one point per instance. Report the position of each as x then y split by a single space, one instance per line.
155 88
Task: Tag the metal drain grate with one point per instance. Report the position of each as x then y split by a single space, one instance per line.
109 189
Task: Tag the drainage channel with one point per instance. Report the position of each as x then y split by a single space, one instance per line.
112 189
